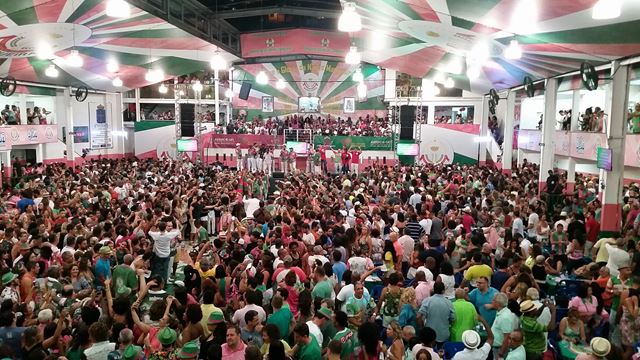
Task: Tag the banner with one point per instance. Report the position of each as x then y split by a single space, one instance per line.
584 145
245 140
529 140
362 142
27 135
100 135
296 41
563 142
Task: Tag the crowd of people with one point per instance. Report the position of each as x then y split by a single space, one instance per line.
11 115
159 259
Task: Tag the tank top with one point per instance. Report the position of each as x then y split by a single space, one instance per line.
449 286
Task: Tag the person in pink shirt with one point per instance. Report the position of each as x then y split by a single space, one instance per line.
234 348
424 286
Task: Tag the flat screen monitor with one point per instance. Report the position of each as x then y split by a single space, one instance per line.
187 145
603 159
301 148
408 149
308 104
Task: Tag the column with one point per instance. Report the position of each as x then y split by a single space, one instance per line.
571 175
507 145
547 146
484 132
22 105
137 94
40 154
216 94
616 130
9 166
575 111
71 154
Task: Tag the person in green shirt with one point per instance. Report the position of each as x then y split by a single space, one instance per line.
306 346
345 336
535 341
465 316
323 288
124 279
281 316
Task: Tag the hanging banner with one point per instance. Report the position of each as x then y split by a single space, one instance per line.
361 142
229 141
296 41
100 132
27 135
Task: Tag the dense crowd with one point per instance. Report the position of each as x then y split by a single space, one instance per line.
158 259
11 115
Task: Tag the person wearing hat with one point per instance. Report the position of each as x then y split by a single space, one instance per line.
132 352
167 338
471 340
234 348
535 342
11 288
600 348
318 322
103 265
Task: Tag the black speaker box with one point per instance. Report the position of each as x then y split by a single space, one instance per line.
407 119
245 89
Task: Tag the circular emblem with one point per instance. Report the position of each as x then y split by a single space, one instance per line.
310 83
437 151
19 41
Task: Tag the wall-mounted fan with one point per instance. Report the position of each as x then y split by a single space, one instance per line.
81 93
589 76
494 99
8 86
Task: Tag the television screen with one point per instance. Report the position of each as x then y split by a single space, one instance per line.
603 159
187 145
408 149
308 104
301 148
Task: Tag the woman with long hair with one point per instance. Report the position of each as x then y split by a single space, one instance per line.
396 350
407 316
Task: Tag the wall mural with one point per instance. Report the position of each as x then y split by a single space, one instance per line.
331 81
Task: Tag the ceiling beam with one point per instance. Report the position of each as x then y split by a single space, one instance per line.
287 10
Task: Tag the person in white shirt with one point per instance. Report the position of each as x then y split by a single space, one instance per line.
101 347
162 243
426 224
408 244
518 224
617 256
250 206
471 340
253 303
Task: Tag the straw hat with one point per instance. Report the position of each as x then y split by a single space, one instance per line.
600 346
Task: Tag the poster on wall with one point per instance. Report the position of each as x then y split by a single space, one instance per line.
267 104
100 131
349 105
80 134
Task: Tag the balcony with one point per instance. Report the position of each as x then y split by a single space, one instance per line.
11 135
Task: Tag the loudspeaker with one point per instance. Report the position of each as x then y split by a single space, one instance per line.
245 89
187 119
407 119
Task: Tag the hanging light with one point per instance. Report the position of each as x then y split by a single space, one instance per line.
112 66
455 66
353 56
479 54
473 72
228 94
118 9
74 59
197 86
607 9
218 62
163 89
181 92
117 82
358 76
362 90
262 78
449 83
349 20
52 71
44 51
525 17
154 75
513 51
280 84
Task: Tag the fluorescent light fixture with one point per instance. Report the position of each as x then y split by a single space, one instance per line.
52 71
117 82
118 9
525 17
197 86
280 84
455 66
112 66
449 83
473 72
74 59
228 94
262 78
349 20
154 75
218 62
163 89
479 54
44 51
353 56
362 90
513 51
607 9
358 76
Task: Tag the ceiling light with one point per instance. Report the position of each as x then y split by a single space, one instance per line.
262 78
218 62
228 94
449 83
377 41
197 86
455 66
74 59
525 17
349 20
154 75
353 56
473 72
117 82
513 51
112 66
358 76
607 9
44 51
163 89
362 90
280 84
52 71
118 9
479 54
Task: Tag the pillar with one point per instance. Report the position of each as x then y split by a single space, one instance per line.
9 166
216 94
40 154
571 175
484 132
507 145
137 94
616 130
575 111
547 146
71 154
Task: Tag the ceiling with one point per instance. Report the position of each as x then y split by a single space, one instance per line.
137 43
